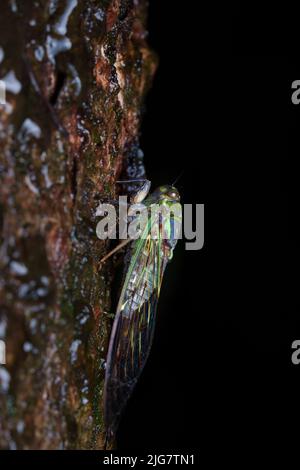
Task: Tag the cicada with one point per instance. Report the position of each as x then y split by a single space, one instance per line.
133 326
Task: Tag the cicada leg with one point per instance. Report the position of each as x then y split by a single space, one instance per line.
115 250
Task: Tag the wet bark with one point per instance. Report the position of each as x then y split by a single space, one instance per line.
76 72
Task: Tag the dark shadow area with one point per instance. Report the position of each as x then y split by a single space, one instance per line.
220 366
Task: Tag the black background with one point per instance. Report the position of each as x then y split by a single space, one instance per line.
220 372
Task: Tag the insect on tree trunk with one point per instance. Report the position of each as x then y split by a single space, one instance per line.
76 72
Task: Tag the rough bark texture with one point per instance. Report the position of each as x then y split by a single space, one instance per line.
76 72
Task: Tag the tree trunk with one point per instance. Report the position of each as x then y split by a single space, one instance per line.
76 72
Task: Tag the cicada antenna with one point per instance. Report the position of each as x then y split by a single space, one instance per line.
178 178
132 181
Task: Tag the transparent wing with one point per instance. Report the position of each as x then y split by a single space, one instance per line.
133 326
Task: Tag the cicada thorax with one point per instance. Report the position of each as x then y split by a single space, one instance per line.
166 224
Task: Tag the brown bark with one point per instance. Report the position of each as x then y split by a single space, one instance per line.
76 74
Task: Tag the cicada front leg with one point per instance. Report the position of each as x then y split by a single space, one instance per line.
137 198
115 250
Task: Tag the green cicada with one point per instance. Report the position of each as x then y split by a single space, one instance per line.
133 326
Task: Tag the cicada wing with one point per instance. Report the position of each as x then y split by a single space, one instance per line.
133 327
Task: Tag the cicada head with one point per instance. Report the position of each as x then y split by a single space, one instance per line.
166 193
